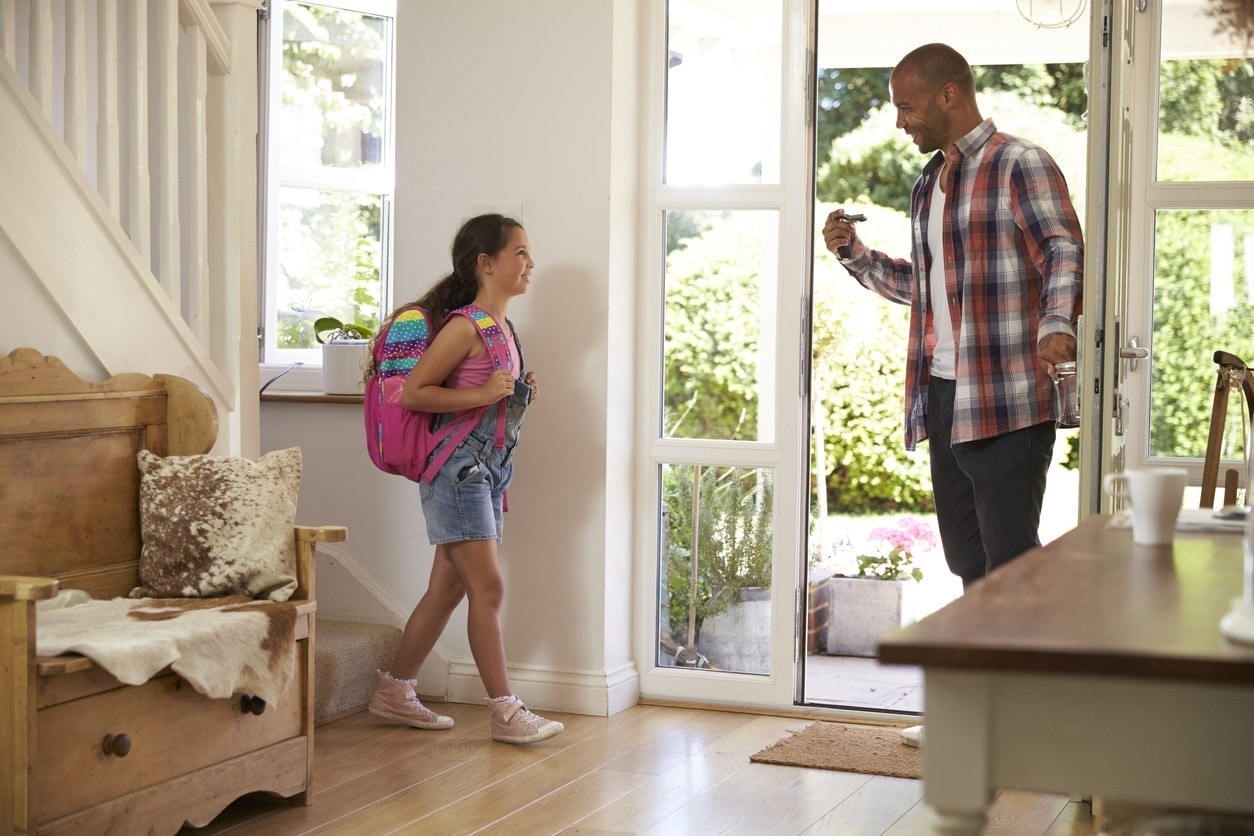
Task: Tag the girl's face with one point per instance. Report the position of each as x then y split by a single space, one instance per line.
510 269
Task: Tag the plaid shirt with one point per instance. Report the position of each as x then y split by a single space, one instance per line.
1014 262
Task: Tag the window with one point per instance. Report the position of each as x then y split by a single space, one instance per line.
1191 287
330 171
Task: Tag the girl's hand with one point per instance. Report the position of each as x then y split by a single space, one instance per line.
530 380
499 385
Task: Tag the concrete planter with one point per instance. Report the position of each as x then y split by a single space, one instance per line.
861 610
740 638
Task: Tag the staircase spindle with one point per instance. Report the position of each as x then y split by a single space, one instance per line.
135 130
165 119
8 31
107 132
196 182
74 109
40 81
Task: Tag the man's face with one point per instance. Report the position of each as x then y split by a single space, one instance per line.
918 112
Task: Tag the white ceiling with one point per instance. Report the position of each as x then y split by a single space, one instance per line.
878 33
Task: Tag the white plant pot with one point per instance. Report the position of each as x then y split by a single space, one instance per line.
343 364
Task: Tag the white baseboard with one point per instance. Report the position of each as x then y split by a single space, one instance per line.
595 693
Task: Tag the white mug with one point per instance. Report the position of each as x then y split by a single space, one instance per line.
1154 496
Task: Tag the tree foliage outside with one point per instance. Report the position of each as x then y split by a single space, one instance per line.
333 77
1187 331
331 246
856 384
333 95
713 327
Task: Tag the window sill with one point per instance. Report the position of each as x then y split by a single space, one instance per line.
308 397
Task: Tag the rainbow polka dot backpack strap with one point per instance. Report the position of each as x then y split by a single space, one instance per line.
404 342
493 334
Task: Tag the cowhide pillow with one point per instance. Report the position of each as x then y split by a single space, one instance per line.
217 525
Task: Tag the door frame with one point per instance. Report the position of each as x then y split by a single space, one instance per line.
787 454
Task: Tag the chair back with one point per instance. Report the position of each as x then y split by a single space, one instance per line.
1232 371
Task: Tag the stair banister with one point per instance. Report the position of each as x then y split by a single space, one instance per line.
126 86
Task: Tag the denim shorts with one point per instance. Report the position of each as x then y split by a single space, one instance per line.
466 498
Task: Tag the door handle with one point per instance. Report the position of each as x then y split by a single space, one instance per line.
1133 352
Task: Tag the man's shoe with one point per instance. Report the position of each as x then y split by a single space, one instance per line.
912 736
394 699
513 723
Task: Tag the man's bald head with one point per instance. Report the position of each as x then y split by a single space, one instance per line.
934 66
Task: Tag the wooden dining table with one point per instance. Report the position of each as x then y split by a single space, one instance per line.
1090 667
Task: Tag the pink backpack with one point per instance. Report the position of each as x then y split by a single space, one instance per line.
401 440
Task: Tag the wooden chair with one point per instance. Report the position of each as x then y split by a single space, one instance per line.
1232 370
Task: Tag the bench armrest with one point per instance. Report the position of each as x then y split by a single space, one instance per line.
321 533
21 588
307 538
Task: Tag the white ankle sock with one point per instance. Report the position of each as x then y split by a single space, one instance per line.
499 700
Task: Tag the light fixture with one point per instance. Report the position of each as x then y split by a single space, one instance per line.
1051 14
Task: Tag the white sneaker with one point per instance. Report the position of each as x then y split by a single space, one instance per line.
912 736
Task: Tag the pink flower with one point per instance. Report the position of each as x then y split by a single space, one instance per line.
909 535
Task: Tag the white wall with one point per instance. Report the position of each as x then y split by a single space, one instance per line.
40 323
527 102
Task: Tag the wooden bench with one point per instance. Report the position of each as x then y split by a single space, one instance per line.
83 752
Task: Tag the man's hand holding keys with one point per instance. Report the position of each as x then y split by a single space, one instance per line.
838 232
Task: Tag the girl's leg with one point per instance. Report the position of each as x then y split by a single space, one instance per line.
394 697
480 575
485 590
445 591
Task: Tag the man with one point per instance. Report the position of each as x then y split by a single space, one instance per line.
993 283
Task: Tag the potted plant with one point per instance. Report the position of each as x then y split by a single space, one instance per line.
718 594
344 350
879 598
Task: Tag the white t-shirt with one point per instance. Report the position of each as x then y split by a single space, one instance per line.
943 356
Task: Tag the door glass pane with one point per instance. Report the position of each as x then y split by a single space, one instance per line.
723 92
330 256
715 602
1203 302
1206 99
720 300
334 87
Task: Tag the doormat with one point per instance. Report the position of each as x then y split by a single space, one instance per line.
846 747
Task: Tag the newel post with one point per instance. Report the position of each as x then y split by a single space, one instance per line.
234 236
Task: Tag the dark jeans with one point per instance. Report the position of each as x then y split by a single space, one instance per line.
988 492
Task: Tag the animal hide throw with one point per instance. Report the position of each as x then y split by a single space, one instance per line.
220 646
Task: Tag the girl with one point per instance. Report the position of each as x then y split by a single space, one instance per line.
463 504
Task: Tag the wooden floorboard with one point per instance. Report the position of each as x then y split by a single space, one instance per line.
652 769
